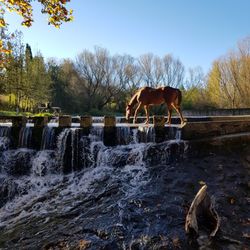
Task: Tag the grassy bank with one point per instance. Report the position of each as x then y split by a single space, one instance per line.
13 113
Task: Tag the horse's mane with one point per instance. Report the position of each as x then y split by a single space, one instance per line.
133 100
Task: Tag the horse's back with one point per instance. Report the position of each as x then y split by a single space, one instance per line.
172 95
148 95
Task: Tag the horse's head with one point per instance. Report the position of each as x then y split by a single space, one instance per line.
128 112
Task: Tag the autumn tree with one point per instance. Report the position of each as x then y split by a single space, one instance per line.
194 89
55 9
6 39
229 78
25 78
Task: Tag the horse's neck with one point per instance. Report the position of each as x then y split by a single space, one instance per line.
133 101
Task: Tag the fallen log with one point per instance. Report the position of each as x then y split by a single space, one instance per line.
202 218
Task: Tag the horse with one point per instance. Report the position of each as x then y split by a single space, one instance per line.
147 96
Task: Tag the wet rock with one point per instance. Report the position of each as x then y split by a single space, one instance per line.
164 153
17 162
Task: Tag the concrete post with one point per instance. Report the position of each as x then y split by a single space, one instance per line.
37 131
86 124
109 121
65 121
158 121
19 121
109 131
86 121
40 121
159 126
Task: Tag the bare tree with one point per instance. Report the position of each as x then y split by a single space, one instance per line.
173 71
151 70
91 69
128 72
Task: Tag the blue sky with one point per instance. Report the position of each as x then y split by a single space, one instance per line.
195 31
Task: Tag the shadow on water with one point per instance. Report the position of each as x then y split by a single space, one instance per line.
131 196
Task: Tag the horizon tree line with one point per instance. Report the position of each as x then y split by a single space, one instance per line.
97 82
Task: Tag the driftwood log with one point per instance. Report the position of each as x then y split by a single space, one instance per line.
202 218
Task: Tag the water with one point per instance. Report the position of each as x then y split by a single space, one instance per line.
130 196
48 138
4 131
25 136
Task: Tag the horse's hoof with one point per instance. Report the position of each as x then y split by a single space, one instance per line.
183 124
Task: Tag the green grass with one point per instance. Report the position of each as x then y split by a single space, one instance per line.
42 114
13 113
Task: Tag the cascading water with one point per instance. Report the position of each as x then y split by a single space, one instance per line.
61 149
73 151
4 138
25 136
96 133
48 138
4 131
76 190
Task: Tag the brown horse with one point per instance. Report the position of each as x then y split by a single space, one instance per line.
147 96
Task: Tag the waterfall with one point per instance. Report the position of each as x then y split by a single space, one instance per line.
4 131
4 138
96 133
178 135
44 163
146 134
62 148
73 152
48 138
123 135
25 136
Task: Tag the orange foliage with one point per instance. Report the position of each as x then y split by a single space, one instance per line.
56 10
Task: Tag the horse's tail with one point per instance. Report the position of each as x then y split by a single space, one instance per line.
179 97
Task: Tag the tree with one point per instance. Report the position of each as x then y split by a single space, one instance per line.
38 86
157 71
194 94
25 78
14 74
151 69
56 10
6 38
127 81
229 78
173 71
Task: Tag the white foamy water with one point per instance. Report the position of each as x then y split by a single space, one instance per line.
4 143
43 163
46 192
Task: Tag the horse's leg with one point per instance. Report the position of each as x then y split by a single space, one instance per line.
169 114
136 111
178 110
147 113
